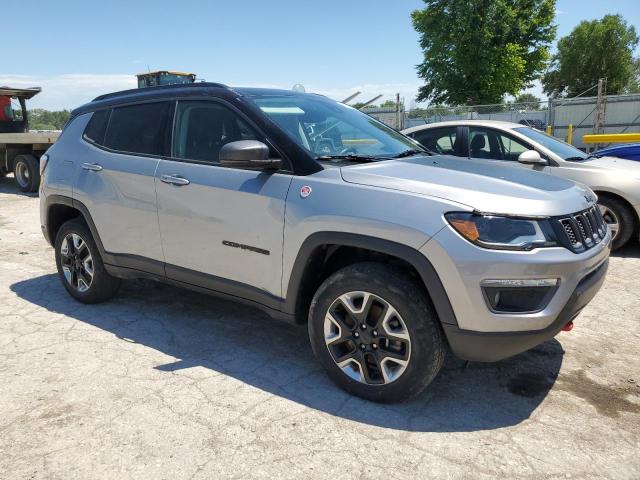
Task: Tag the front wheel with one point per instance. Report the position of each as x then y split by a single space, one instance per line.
80 266
619 218
373 329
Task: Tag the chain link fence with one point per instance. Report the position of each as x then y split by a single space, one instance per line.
621 115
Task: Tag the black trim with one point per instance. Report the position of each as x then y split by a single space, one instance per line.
494 346
426 271
301 161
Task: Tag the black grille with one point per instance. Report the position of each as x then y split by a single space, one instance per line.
583 230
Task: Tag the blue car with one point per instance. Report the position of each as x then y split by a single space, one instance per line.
630 151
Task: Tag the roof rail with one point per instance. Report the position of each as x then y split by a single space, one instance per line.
160 87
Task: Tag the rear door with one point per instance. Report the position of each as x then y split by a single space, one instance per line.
442 140
116 178
221 227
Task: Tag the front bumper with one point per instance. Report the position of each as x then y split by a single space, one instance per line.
494 346
480 334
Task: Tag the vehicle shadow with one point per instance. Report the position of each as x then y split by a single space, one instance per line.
8 185
630 250
244 343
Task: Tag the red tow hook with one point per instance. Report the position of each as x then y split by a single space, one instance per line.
568 327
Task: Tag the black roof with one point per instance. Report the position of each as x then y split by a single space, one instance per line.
184 89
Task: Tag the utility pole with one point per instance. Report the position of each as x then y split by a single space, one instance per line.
601 106
398 119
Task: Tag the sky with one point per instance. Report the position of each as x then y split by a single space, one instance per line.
76 50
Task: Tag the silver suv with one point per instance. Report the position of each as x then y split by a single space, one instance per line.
319 214
616 181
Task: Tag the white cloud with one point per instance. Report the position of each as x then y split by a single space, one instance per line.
72 90
68 90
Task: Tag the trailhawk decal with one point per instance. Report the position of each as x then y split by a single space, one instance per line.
245 247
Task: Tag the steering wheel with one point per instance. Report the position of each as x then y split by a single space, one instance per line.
348 151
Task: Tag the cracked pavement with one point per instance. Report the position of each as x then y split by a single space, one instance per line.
170 384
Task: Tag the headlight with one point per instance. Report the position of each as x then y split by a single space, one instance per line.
503 233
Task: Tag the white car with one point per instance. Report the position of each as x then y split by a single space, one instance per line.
616 181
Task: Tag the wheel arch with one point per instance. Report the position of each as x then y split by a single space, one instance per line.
323 253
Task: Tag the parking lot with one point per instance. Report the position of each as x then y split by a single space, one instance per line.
170 384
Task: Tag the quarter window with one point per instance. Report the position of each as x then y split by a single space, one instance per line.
203 128
139 128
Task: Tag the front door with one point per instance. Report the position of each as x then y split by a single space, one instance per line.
495 145
221 227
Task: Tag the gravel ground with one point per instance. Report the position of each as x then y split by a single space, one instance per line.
169 384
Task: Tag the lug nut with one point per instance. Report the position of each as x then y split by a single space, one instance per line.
356 334
375 333
362 346
363 326
374 346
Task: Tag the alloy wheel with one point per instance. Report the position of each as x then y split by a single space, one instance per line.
367 338
611 220
76 261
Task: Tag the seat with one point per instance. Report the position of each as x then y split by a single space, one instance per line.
477 144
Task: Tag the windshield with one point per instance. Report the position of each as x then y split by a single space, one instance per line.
329 129
560 148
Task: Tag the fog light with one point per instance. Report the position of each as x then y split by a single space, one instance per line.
518 295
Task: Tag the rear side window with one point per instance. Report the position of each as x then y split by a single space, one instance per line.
139 128
97 127
438 140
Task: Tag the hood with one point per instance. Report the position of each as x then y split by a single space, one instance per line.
618 165
483 186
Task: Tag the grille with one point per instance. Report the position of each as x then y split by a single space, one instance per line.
584 230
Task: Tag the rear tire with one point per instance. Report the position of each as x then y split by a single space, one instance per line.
619 217
80 266
26 169
375 332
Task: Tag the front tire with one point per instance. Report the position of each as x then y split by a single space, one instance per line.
374 331
619 217
80 266
26 170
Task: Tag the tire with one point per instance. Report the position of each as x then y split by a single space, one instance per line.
101 286
616 212
26 169
381 379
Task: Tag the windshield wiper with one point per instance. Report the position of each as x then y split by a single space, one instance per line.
410 152
575 159
349 156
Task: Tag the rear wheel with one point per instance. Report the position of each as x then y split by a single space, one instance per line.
26 169
80 266
373 329
619 217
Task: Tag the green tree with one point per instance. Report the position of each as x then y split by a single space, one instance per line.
593 50
40 119
634 84
528 101
477 51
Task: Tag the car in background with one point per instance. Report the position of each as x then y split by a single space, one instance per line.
616 181
628 152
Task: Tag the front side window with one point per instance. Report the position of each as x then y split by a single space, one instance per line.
139 128
560 148
203 128
439 140
494 145
326 128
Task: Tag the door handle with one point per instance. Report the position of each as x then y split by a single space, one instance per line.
94 167
174 180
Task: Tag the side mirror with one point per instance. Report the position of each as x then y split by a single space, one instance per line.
247 154
531 157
